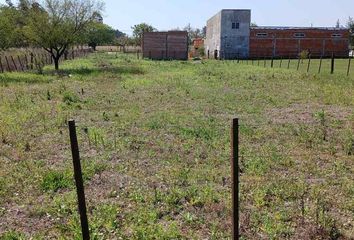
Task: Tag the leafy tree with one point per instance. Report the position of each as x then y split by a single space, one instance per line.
98 34
194 32
139 29
6 29
55 25
119 34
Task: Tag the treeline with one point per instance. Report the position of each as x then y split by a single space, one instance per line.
53 25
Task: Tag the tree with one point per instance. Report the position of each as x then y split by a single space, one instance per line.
194 32
55 25
119 34
338 24
98 34
6 29
350 25
139 29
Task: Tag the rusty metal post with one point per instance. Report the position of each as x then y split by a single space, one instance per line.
235 179
332 64
350 59
79 180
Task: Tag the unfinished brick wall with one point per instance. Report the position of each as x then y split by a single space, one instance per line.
172 45
289 42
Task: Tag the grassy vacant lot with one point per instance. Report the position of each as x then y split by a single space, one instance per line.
155 146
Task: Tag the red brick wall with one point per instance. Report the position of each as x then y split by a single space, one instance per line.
165 45
282 43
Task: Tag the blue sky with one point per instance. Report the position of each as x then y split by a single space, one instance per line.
168 14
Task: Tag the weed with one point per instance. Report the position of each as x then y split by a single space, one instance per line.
54 180
70 98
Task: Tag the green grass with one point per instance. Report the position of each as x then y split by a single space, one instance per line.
154 140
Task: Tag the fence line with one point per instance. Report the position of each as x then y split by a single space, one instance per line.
32 61
299 59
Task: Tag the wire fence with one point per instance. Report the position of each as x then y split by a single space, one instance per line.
331 62
105 137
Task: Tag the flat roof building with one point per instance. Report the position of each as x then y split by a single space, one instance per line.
172 45
230 35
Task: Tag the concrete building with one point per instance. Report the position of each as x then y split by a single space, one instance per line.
229 36
228 33
165 45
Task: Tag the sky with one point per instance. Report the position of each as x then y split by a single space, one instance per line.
170 14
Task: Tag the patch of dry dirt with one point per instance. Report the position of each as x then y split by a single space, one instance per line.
305 113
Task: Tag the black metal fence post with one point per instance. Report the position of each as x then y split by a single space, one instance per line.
281 61
79 180
272 62
309 64
265 61
320 67
235 179
332 64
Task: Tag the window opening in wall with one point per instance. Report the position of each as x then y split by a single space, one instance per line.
336 35
262 34
235 25
299 35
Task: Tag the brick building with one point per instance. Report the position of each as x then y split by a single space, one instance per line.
290 41
165 45
230 36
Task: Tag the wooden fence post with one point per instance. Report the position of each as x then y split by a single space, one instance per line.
1 68
14 63
19 60
26 60
235 178
8 64
78 180
31 61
